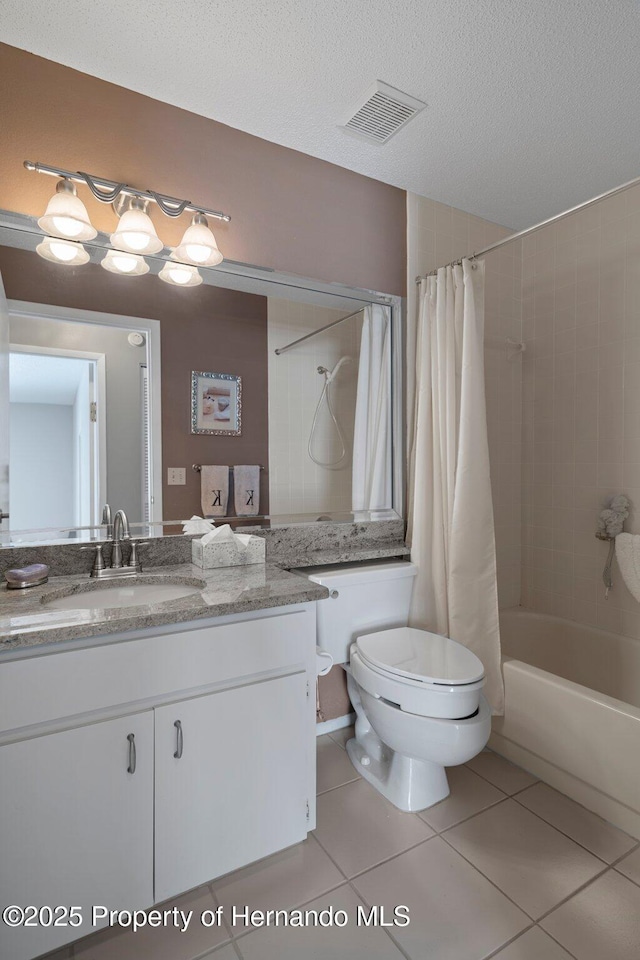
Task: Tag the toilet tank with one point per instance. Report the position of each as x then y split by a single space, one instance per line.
364 598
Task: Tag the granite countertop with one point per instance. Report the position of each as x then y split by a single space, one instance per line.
25 620
347 554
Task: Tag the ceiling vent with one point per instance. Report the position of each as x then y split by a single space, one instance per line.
382 113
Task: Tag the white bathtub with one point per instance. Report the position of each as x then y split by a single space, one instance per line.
572 711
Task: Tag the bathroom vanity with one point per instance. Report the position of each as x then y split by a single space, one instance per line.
141 758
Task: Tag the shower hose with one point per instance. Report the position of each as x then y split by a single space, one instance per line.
326 393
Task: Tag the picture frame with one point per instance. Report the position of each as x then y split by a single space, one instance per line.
216 404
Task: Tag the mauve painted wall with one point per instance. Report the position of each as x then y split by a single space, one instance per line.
289 211
202 328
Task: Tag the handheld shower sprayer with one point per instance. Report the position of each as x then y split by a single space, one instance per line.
329 376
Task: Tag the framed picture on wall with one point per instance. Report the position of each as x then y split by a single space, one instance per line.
216 404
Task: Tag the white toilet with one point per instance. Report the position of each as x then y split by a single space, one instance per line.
417 696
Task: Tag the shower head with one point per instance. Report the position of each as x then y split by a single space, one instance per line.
333 373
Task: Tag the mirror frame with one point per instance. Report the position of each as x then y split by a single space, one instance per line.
21 231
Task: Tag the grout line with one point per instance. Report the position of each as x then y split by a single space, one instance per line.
211 952
338 785
605 867
236 949
626 876
482 776
457 823
573 839
534 926
555 940
244 932
503 946
395 856
578 890
528 786
322 847
628 853
364 900
381 863
488 879
217 903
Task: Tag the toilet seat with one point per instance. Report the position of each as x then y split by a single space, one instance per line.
417 655
444 701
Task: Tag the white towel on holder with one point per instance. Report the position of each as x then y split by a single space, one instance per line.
246 490
628 557
214 481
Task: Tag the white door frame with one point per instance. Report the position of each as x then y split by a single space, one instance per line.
22 309
99 494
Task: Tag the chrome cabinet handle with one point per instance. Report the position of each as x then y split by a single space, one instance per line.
131 737
179 739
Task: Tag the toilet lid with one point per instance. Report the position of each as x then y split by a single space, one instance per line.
419 655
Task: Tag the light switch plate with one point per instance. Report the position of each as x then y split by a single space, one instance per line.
176 476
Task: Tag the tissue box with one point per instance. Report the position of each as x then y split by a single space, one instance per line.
211 555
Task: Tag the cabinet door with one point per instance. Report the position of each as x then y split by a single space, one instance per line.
230 780
76 827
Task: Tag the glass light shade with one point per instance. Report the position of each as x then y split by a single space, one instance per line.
62 251
198 245
126 264
66 215
180 275
136 232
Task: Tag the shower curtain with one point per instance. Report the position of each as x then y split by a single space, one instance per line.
371 473
450 529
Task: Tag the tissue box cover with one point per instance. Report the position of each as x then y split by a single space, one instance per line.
211 555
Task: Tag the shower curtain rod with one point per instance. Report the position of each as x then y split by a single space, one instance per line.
314 333
544 223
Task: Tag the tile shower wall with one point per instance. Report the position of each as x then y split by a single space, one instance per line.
581 407
437 235
297 484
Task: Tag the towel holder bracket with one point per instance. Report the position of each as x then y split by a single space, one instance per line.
198 467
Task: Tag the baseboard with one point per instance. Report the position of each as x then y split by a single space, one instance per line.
328 726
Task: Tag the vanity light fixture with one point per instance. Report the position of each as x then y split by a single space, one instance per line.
66 215
198 245
180 275
62 251
136 232
126 264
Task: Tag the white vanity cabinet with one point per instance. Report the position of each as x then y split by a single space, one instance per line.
221 720
74 810
232 766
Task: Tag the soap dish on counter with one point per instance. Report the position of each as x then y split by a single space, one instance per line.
22 578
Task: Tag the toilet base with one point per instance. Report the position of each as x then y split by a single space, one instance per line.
408 784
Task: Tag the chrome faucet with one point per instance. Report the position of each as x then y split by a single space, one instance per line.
120 533
106 519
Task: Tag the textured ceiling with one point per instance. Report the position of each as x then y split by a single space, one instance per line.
532 107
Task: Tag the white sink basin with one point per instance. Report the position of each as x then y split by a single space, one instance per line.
123 595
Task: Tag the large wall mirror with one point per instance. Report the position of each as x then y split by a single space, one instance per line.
103 404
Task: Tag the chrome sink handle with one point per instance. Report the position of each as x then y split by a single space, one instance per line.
98 560
134 560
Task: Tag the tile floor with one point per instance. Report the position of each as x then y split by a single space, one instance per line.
505 868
